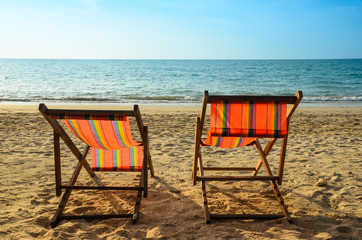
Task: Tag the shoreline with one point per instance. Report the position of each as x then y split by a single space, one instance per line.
175 103
34 105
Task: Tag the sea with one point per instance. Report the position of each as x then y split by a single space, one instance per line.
332 82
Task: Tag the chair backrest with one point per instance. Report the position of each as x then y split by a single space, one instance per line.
248 119
249 116
101 131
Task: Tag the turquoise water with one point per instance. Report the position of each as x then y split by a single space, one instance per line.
176 81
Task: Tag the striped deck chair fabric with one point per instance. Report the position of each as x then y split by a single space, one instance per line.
110 138
239 123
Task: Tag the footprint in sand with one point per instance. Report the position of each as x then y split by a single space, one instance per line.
83 210
345 229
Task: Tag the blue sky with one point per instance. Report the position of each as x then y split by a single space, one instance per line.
181 29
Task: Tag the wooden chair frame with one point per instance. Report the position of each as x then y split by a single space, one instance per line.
293 102
59 133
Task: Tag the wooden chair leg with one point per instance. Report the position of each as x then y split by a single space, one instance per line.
282 160
139 197
206 208
150 165
194 170
196 150
280 199
57 165
145 179
272 182
144 173
137 207
57 216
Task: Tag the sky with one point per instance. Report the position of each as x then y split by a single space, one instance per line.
181 29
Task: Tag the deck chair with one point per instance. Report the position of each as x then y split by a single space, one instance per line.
107 134
238 121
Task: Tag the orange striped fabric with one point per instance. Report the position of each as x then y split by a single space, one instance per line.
112 145
127 159
239 123
226 142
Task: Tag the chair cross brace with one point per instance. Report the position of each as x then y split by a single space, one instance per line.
272 179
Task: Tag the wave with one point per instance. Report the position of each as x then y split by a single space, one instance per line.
332 99
152 99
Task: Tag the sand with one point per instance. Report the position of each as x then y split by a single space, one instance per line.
322 183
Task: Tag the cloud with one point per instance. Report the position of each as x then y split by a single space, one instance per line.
90 4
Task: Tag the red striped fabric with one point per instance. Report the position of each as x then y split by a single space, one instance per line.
236 124
112 144
127 159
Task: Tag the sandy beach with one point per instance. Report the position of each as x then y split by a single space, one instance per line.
322 182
